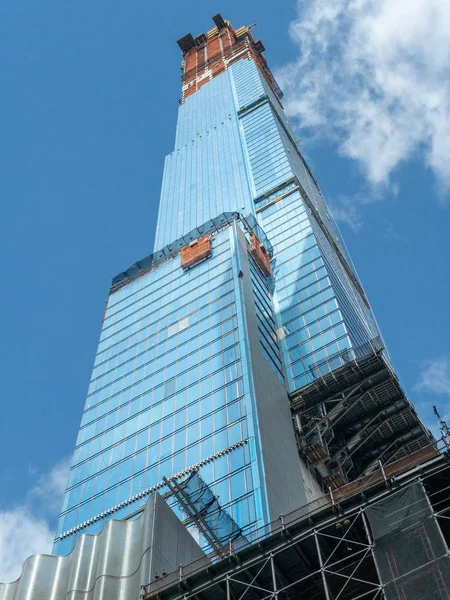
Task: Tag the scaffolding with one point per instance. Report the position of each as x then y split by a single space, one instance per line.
207 56
388 539
203 510
355 416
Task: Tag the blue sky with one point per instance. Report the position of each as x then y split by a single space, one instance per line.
89 106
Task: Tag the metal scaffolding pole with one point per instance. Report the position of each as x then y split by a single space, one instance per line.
274 578
322 570
434 515
332 558
371 543
191 510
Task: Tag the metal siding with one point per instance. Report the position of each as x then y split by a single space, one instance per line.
112 565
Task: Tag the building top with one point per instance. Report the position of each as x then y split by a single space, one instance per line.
208 55
188 42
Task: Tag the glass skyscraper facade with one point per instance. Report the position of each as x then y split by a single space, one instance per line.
195 360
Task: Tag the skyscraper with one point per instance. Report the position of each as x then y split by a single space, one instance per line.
247 319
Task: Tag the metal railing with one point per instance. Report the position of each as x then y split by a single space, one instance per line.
333 362
307 513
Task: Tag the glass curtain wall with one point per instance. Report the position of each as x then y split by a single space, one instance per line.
171 386
170 391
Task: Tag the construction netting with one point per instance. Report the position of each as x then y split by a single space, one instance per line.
410 552
207 505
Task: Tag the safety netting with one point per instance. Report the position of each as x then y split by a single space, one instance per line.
410 551
218 520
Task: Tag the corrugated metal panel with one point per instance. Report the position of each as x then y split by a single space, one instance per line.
112 565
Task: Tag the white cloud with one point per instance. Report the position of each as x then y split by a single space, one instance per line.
435 376
21 535
373 76
48 491
29 527
345 210
390 232
434 380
